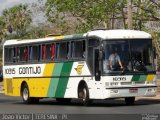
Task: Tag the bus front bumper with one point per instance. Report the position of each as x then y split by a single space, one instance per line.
130 92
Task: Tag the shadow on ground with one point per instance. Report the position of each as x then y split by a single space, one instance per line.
96 103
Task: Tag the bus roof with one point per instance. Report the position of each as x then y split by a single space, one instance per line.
50 38
119 34
103 34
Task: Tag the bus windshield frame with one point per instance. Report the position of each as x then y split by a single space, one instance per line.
135 55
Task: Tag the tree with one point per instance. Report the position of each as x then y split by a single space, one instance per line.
86 14
2 28
89 14
17 20
145 11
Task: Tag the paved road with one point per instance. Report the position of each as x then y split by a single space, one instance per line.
111 109
15 105
108 107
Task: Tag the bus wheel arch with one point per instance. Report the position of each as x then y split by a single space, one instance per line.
23 84
83 93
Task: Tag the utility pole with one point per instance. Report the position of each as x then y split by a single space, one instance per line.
129 10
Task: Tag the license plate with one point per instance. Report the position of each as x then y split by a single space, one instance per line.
133 90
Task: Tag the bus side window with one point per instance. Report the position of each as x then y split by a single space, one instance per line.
35 53
14 54
57 50
48 51
72 50
52 51
30 52
62 50
78 49
9 55
69 50
26 54
18 54
22 55
6 58
39 52
43 52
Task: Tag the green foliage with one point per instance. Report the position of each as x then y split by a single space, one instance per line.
91 14
35 32
17 19
2 30
88 13
144 11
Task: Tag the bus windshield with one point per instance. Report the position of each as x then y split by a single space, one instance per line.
130 55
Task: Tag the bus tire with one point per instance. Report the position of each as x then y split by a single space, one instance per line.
83 93
63 100
26 96
129 100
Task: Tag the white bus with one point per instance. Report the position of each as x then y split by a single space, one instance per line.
79 66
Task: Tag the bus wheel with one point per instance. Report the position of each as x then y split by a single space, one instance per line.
63 100
26 97
83 94
129 100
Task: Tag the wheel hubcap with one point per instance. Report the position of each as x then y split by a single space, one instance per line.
84 94
25 94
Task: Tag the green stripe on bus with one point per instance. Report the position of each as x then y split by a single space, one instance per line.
54 81
142 78
135 77
62 85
